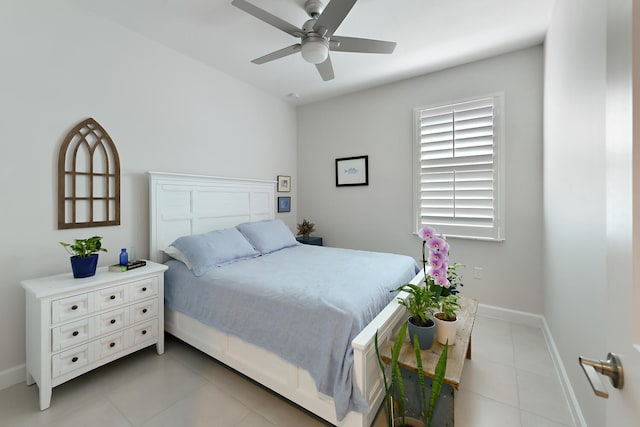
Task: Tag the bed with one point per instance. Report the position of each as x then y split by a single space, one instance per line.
188 205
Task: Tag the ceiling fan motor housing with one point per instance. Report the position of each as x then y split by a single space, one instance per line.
313 8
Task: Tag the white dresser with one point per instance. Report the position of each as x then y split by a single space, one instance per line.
76 325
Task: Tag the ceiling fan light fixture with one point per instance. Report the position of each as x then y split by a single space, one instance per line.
315 49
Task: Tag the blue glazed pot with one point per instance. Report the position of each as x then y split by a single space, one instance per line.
425 333
84 266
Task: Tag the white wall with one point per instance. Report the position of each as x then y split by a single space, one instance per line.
574 190
164 111
378 123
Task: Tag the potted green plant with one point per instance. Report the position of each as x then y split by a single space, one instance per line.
395 407
84 255
421 304
446 319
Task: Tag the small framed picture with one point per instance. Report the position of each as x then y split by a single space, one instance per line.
352 171
284 204
284 184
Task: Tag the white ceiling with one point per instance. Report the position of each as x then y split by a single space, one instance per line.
431 35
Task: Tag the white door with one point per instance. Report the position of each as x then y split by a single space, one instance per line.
623 207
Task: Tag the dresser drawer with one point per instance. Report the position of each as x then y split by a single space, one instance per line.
71 334
111 321
67 361
109 345
69 308
109 298
143 288
145 332
144 310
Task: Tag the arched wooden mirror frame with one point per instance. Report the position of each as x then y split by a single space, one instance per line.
89 193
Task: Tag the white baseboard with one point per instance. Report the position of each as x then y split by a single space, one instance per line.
574 406
12 376
538 321
514 316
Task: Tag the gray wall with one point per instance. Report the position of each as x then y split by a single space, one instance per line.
164 111
575 243
378 123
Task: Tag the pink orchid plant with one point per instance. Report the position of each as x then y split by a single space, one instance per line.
441 277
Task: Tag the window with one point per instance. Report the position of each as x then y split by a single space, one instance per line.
458 169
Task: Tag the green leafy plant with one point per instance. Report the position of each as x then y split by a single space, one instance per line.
396 385
83 248
448 308
421 303
438 381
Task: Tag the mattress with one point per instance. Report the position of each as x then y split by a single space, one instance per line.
304 303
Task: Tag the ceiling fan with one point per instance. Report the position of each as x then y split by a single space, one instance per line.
316 35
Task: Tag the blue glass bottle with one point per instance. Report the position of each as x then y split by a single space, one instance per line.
124 257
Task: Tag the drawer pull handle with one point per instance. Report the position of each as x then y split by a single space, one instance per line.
144 310
113 321
112 345
75 333
144 289
74 307
144 332
112 297
74 360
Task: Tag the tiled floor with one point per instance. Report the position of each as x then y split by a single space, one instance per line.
510 382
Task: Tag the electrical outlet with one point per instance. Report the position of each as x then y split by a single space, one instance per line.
477 273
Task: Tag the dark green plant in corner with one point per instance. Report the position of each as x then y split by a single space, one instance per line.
397 382
438 381
396 377
83 248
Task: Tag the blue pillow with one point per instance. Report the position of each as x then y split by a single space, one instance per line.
213 249
268 236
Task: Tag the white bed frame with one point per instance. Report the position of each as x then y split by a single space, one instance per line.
189 204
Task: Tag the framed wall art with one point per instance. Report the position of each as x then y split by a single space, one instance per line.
284 204
284 184
351 171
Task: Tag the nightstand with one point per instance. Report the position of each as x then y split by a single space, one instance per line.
310 241
76 325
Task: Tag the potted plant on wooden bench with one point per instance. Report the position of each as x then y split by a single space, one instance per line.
446 319
421 304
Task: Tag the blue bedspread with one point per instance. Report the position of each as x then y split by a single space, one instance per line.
305 303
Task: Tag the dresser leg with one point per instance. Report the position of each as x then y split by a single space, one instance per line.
30 380
160 345
45 397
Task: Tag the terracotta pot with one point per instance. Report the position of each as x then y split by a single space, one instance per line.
408 422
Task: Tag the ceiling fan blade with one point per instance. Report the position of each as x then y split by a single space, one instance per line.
325 69
332 16
354 44
265 16
289 50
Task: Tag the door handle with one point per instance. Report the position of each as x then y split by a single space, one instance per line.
612 367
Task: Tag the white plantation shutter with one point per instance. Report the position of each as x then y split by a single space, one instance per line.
458 182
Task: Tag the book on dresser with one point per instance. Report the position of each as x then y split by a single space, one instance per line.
129 266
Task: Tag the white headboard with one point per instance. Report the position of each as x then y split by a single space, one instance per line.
182 204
